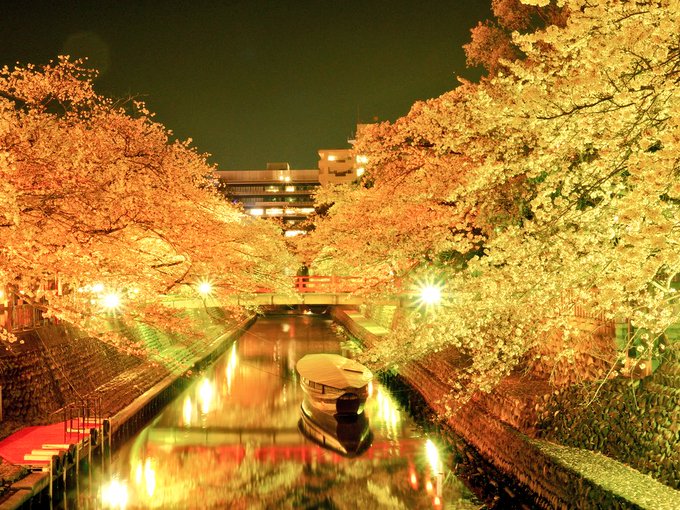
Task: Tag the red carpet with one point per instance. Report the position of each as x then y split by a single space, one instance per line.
14 447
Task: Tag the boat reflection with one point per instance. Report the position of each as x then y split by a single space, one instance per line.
347 435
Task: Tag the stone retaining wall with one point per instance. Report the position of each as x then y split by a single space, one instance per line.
636 422
57 365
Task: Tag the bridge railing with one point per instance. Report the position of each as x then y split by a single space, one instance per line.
328 284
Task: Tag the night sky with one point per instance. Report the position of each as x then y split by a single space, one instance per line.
256 81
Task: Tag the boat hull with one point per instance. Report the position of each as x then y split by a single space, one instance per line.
336 401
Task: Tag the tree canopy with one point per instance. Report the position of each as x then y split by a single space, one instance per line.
96 194
557 179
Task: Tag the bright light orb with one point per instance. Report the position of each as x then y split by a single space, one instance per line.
111 301
432 456
205 288
115 494
431 294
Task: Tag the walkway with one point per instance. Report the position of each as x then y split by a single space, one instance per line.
34 446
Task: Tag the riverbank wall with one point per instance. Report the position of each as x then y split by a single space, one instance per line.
56 366
506 430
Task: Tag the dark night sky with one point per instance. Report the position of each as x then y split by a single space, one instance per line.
255 81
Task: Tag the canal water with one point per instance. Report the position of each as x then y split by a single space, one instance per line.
234 439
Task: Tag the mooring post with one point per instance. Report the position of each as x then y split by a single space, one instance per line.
51 474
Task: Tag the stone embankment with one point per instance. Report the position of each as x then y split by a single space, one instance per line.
55 366
508 431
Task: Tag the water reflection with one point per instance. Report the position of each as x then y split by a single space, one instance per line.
347 435
233 439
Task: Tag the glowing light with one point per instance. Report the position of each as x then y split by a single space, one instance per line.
431 294
433 456
287 179
429 487
187 409
293 233
115 494
231 367
360 171
97 288
413 480
257 212
290 188
332 157
204 288
139 473
274 211
149 477
205 394
361 159
111 301
2 294
370 388
437 502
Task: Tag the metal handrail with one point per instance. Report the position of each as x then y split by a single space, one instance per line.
82 415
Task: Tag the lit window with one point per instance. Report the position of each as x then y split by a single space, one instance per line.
257 212
360 171
290 188
293 233
274 211
306 210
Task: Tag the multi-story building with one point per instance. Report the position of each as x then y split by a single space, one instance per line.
341 166
276 192
286 194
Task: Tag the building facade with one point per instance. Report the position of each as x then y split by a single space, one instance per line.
275 192
288 195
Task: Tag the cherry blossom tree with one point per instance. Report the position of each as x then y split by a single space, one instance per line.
96 195
491 42
554 182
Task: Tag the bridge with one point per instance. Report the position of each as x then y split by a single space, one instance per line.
305 290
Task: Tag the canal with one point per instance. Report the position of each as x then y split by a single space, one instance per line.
234 439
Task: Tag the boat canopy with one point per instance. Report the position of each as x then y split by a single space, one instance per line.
334 370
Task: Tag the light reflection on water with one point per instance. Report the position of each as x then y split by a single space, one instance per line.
232 440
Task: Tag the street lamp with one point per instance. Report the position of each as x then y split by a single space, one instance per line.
431 295
204 288
111 301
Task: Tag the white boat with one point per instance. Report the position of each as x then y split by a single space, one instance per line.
334 384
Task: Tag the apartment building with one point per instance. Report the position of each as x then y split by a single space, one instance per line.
275 192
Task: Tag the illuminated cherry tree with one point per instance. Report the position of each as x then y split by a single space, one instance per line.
557 180
491 42
96 197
